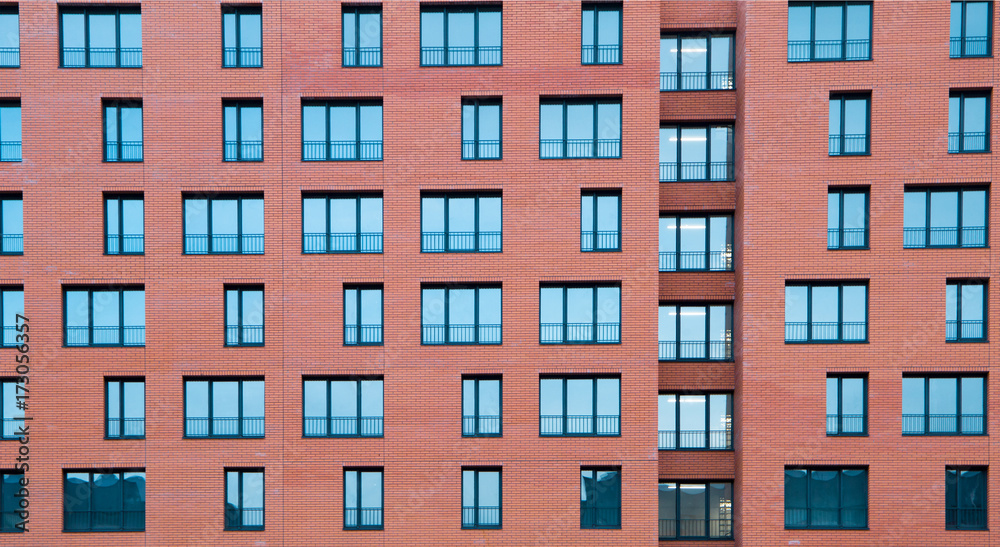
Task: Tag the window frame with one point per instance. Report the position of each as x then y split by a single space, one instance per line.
596 470
841 136
475 144
121 381
594 233
959 322
595 143
238 10
12 146
843 33
728 353
676 432
8 526
840 417
839 233
564 416
210 407
13 380
962 95
359 508
565 313
16 53
840 310
447 326
928 191
121 198
475 8
359 145
209 211
101 9
241 471
359 327
359 416
357 10
239 311
90 290
5 237
12 328
596 8
959 415
729 83
708 510
476 418
477 508
962 39
983 514
678 166
425 237
840 508
728 256
239 105
120 472
376 239
119 144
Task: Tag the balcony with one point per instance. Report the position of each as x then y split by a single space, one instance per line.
943 424
712 261
697 350
965 330
11 151
697 81
697 171
580 148
342 150
362 335
125 428
970 46
244 335
244 151
460 334
125 244
362 56
10 57
696 528
966 236
607 54
460 242
699 439
246 57
122 151
845 331
845 424
480 517
481 426
849 145
591 240
347 242
363 518
77 57
342 426
829 50
967 142
481 150
12 244
199 244
461 56
105 336
580 425
580 333
845 238
203 427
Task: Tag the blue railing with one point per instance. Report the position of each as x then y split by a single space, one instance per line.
347 242
481 425
964 330
846 145
568 333
845 424
966 142
198 244
244 151
363 518
685 81
480 516
481 150
698 439
126 427
432 334
829 50
242 57
125 244
361 335
123 151
559 424
105 336
601 54
971 46
461 56
224 427
341 150
338 426
244 335
10 150
696 528
844 238
10 57
697 171
362 56
455 242
12 244
579 148
697 350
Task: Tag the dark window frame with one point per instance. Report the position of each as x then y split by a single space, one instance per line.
361 425
238 10
210 406
9 330
839 419
676 432
371 241
447 326
727 77
121 381
707 522
120 238
119 146
811 58
475 144
962 41
359 56
840 508
841 137
959 322
475 511
239 325
925 417
594 233
240 509
375 149
90 290
596 338
835 238
360 517
592 506
953 514
596 143
711 168
840 311
727 257
120 471
241 238
86 10
709 354
10 151
962 135
594 417
359 328
13 420
239 143
14 525
961 229
426 238
8 241
476 419
595 49
14 53
475 9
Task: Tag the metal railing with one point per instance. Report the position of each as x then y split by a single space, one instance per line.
134 521
9 521
696 528
10 57
480 425
224 427
845 424
600 517
244 151
460 334
126 427
342 242
106 336
601 240
697 350
245 518
456 242
481 150
362 56
970 236
954 424
12 244
244 335
699 439
324 426
362 518
694 81
480 516
103 57
845 145
588 424
967 518
579 148
846 331
125 244
845 238
601 54
242 57
362 335
123 151
568 333
341 150
829 50
966 142
9 339
199 244
964 330
11 426
697 171
461 56
10 150
971 46
714 261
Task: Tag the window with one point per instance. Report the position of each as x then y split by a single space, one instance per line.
11 305
245 316
579 406
125 404
123 130
965 498
342 130
820 31
847 218
461 223
11 415
341 223
696 243
244 499
846 405
965 311
600 220
968 121
123 224
696 62
971 22
481 129
826 498
481 505
10 39
11 519
482 406
696 153
225 407
363 315
342 407
948 216
460 35
105 316
224 224
363 499
826 312
10 130
580 128
460 315
695 333
243 127
100 37
600 497
104 501
696 510
11 224
601 34
944 405
241 36
580 314
849 124
362 36
698 422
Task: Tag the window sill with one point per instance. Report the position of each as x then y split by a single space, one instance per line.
342 436
963 152
813 342
577 435
862 154
864 248
724 450
945 434
106 438
797 61
847 434
99 531
968 341
860 529
363 528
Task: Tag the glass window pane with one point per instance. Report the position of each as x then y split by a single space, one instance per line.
77 308
587 27
432 305
131 30
693 324
73 30
343 123
113 399
253 216
667 324
250 31
855 309
608 304
977 19
943 397
490 218
489 122
668 235
668 54
694 147
253 490
835 116
609 121
856 116
667 413
432 215
972 396
461 31
608 25
371 307
468 488
229 30
314 399
110 216
370 30
693 239
371 398
489 488
314 123
974 208
233 488
722 60
468 122
580 121
230 125
551 305
668 144
608 397
10 123
431 29
975 115
350 29
251 125
972 302
111 123
956 19
226 400
253 308
944 209
914 209
799 23
314 216
196 399
579 305
461 307
829 25
579 401
343 215
134 307
855 498
854 210
489 397
195 216
344 398
107 312
103 35
224 217
551 397
132 217
854 396
824 497
954 111
692 409
551 121
462 214
253 399
825 304
859 22
692 501
371 489
489 306
607 213
490 34
371 123
913 395
694 56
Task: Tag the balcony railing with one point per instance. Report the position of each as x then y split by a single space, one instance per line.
845 238
123 244
696 528
580 148
119 428
461 56
10 150
362 335
964 330
694 81
845 424
244 151
966 142
943 424
480 517
247 57
364 518
12 244
845 331
965 518
340 426
602 240
244 519
697 171
608 54
362 56
458 242
580 333
199 244
481 150
342 242
697 350
846 145
10 57
109 57
586 424
224 427
134 521
829 50
484 426
600 517
698 439
130 151
244 335
460 334
11 426
342 150
971 46
106 336
713 261
971 236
